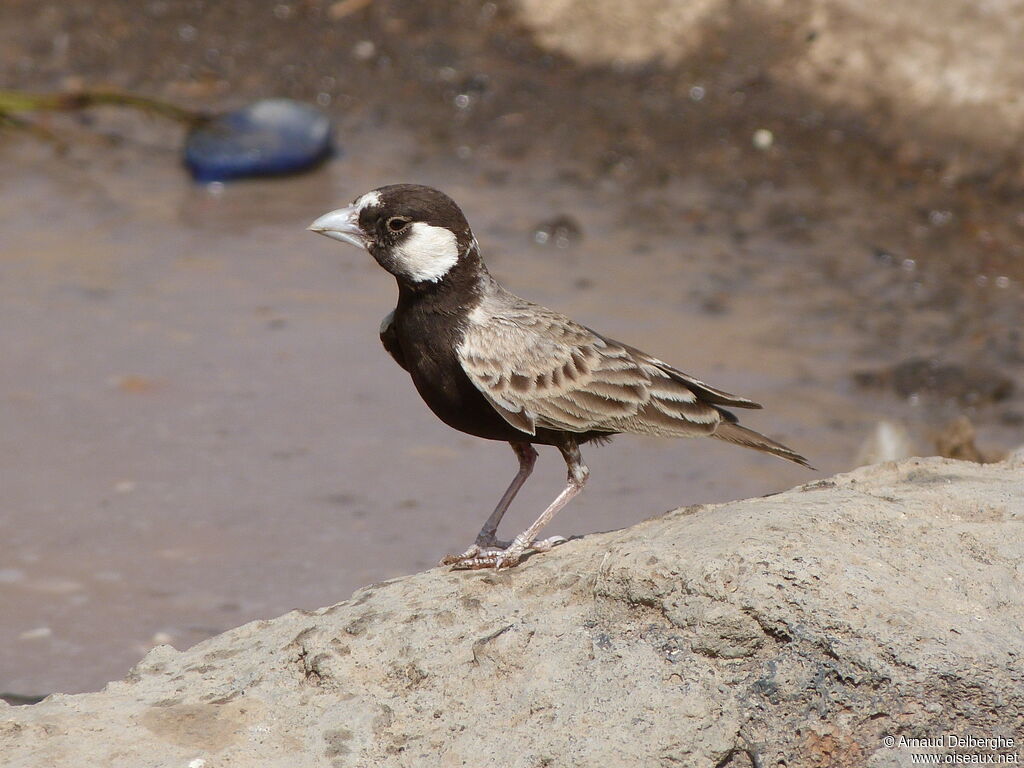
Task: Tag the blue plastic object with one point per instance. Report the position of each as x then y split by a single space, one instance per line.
265 138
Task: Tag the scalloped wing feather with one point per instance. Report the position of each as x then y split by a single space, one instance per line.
540 369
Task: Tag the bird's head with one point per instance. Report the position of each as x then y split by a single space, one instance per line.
416 233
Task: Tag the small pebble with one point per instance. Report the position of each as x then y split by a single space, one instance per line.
560 232
763 139
364 50
39 633
888 441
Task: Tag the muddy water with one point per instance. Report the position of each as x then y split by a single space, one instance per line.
198 426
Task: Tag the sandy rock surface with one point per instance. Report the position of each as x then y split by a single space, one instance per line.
802 627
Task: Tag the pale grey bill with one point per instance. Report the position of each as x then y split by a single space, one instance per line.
342 224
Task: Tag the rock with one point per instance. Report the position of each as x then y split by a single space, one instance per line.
957 441
798 629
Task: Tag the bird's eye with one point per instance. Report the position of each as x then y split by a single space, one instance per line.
397 223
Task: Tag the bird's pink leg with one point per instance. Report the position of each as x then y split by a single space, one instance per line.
487 538
527 458
511 555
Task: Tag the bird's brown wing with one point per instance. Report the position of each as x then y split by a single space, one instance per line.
705 392
540 369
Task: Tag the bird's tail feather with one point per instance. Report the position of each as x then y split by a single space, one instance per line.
748 438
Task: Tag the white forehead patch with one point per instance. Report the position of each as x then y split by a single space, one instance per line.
426 253
368 200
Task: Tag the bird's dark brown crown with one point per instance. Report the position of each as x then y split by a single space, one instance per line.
413 203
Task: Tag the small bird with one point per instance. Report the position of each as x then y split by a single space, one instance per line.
491 364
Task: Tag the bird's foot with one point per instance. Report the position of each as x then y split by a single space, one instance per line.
484 544
498 556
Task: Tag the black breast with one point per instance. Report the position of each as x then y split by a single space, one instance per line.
428 332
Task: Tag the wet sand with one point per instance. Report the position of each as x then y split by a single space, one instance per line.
200 427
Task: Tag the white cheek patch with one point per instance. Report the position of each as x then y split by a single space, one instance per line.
426 253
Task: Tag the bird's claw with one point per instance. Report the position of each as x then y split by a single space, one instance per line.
546 545
478 557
